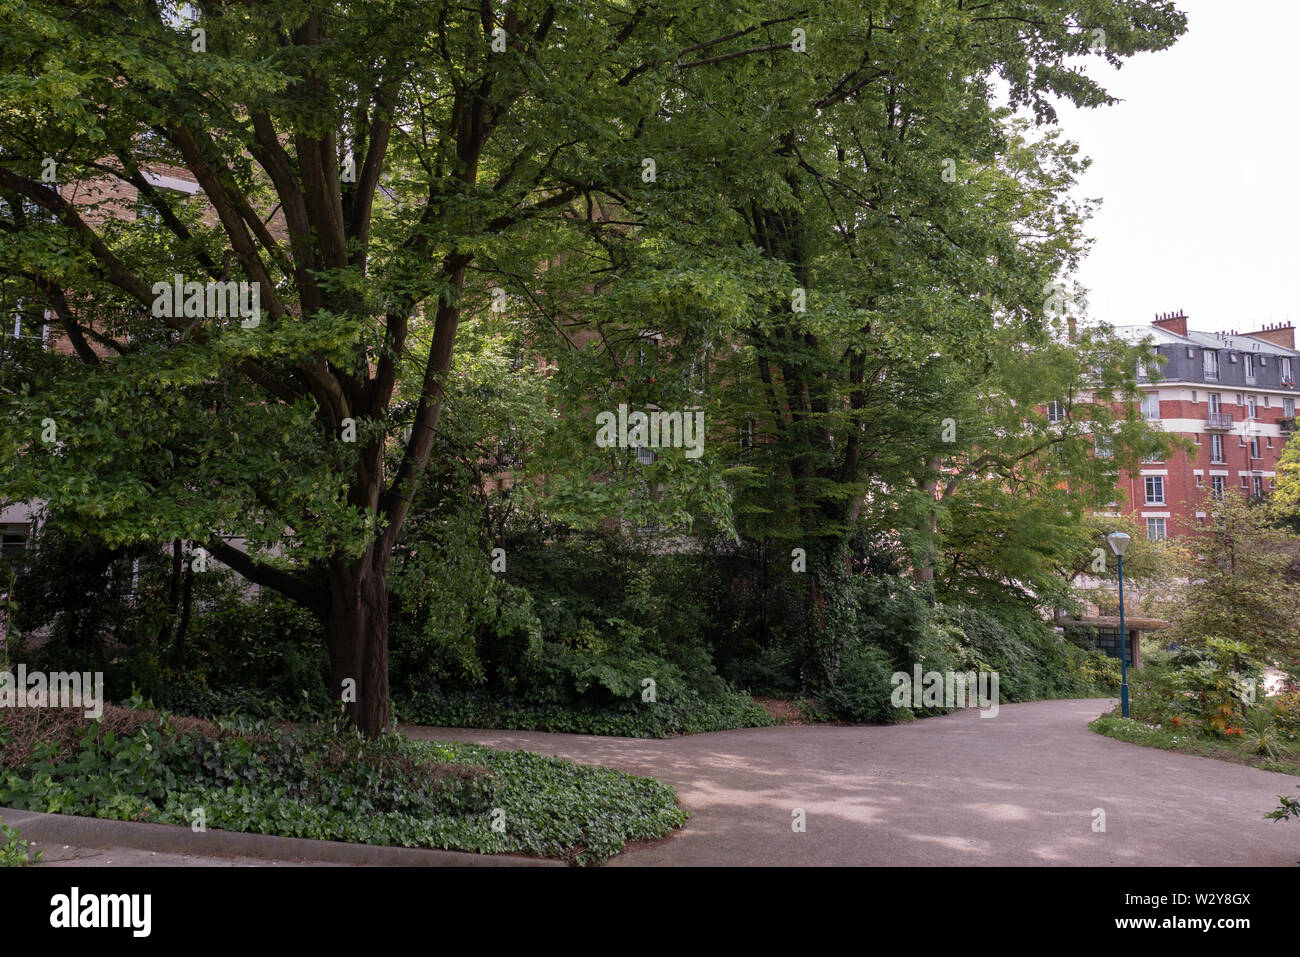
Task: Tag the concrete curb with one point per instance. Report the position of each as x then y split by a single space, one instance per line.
51 830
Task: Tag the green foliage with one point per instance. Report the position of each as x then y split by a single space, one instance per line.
1289 808
1242 590
1286 714
1203 701
687 713
1260 734
13 849
322 782
861 688
778 170
196 642
1217 683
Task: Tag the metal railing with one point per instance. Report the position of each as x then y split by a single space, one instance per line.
1218 420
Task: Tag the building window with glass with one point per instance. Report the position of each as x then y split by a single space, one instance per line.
1155 485
1156 529
1151 405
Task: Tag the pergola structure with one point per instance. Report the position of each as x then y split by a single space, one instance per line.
1105 629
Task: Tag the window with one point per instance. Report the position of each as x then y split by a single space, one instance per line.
644 456
1197 438
1288 408
1200 481
1254 447
1055 411
13 539
1156 529
1245 482
145 210
1269 440
1193 397
1251 406
1155 489
1239 402
1101 447
1213 398
1286 369
1151 405
1211 365
1216 448
180 16
1248 362
1258 483
1216 482
1151 459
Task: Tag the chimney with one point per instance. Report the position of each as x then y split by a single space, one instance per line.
1279 334
1174 323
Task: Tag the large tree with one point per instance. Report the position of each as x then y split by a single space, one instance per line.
904 251
374 168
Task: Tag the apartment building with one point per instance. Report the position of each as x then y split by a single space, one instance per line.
97 200
1233 396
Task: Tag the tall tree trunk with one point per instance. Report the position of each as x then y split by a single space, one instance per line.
356 627
923 573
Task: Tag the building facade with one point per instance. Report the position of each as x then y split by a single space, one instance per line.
1233 396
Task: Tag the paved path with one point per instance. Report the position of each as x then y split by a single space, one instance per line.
1018 789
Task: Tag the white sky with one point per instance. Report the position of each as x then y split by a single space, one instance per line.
1197 170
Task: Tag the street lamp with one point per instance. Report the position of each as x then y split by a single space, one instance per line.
1119 545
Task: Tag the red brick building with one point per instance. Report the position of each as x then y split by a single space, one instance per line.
1234 396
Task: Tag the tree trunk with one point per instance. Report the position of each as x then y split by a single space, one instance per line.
356 627
923 573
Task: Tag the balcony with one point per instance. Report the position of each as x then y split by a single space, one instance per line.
1218 421
1288 425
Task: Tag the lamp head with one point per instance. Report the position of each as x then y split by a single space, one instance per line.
1118 543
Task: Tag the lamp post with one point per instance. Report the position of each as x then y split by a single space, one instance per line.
1119 545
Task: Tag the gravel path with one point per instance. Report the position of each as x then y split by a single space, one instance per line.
1021 789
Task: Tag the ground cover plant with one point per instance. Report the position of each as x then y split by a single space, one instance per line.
321 781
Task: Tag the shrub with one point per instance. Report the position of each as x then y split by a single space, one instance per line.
1260 734
862 688
1218 682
